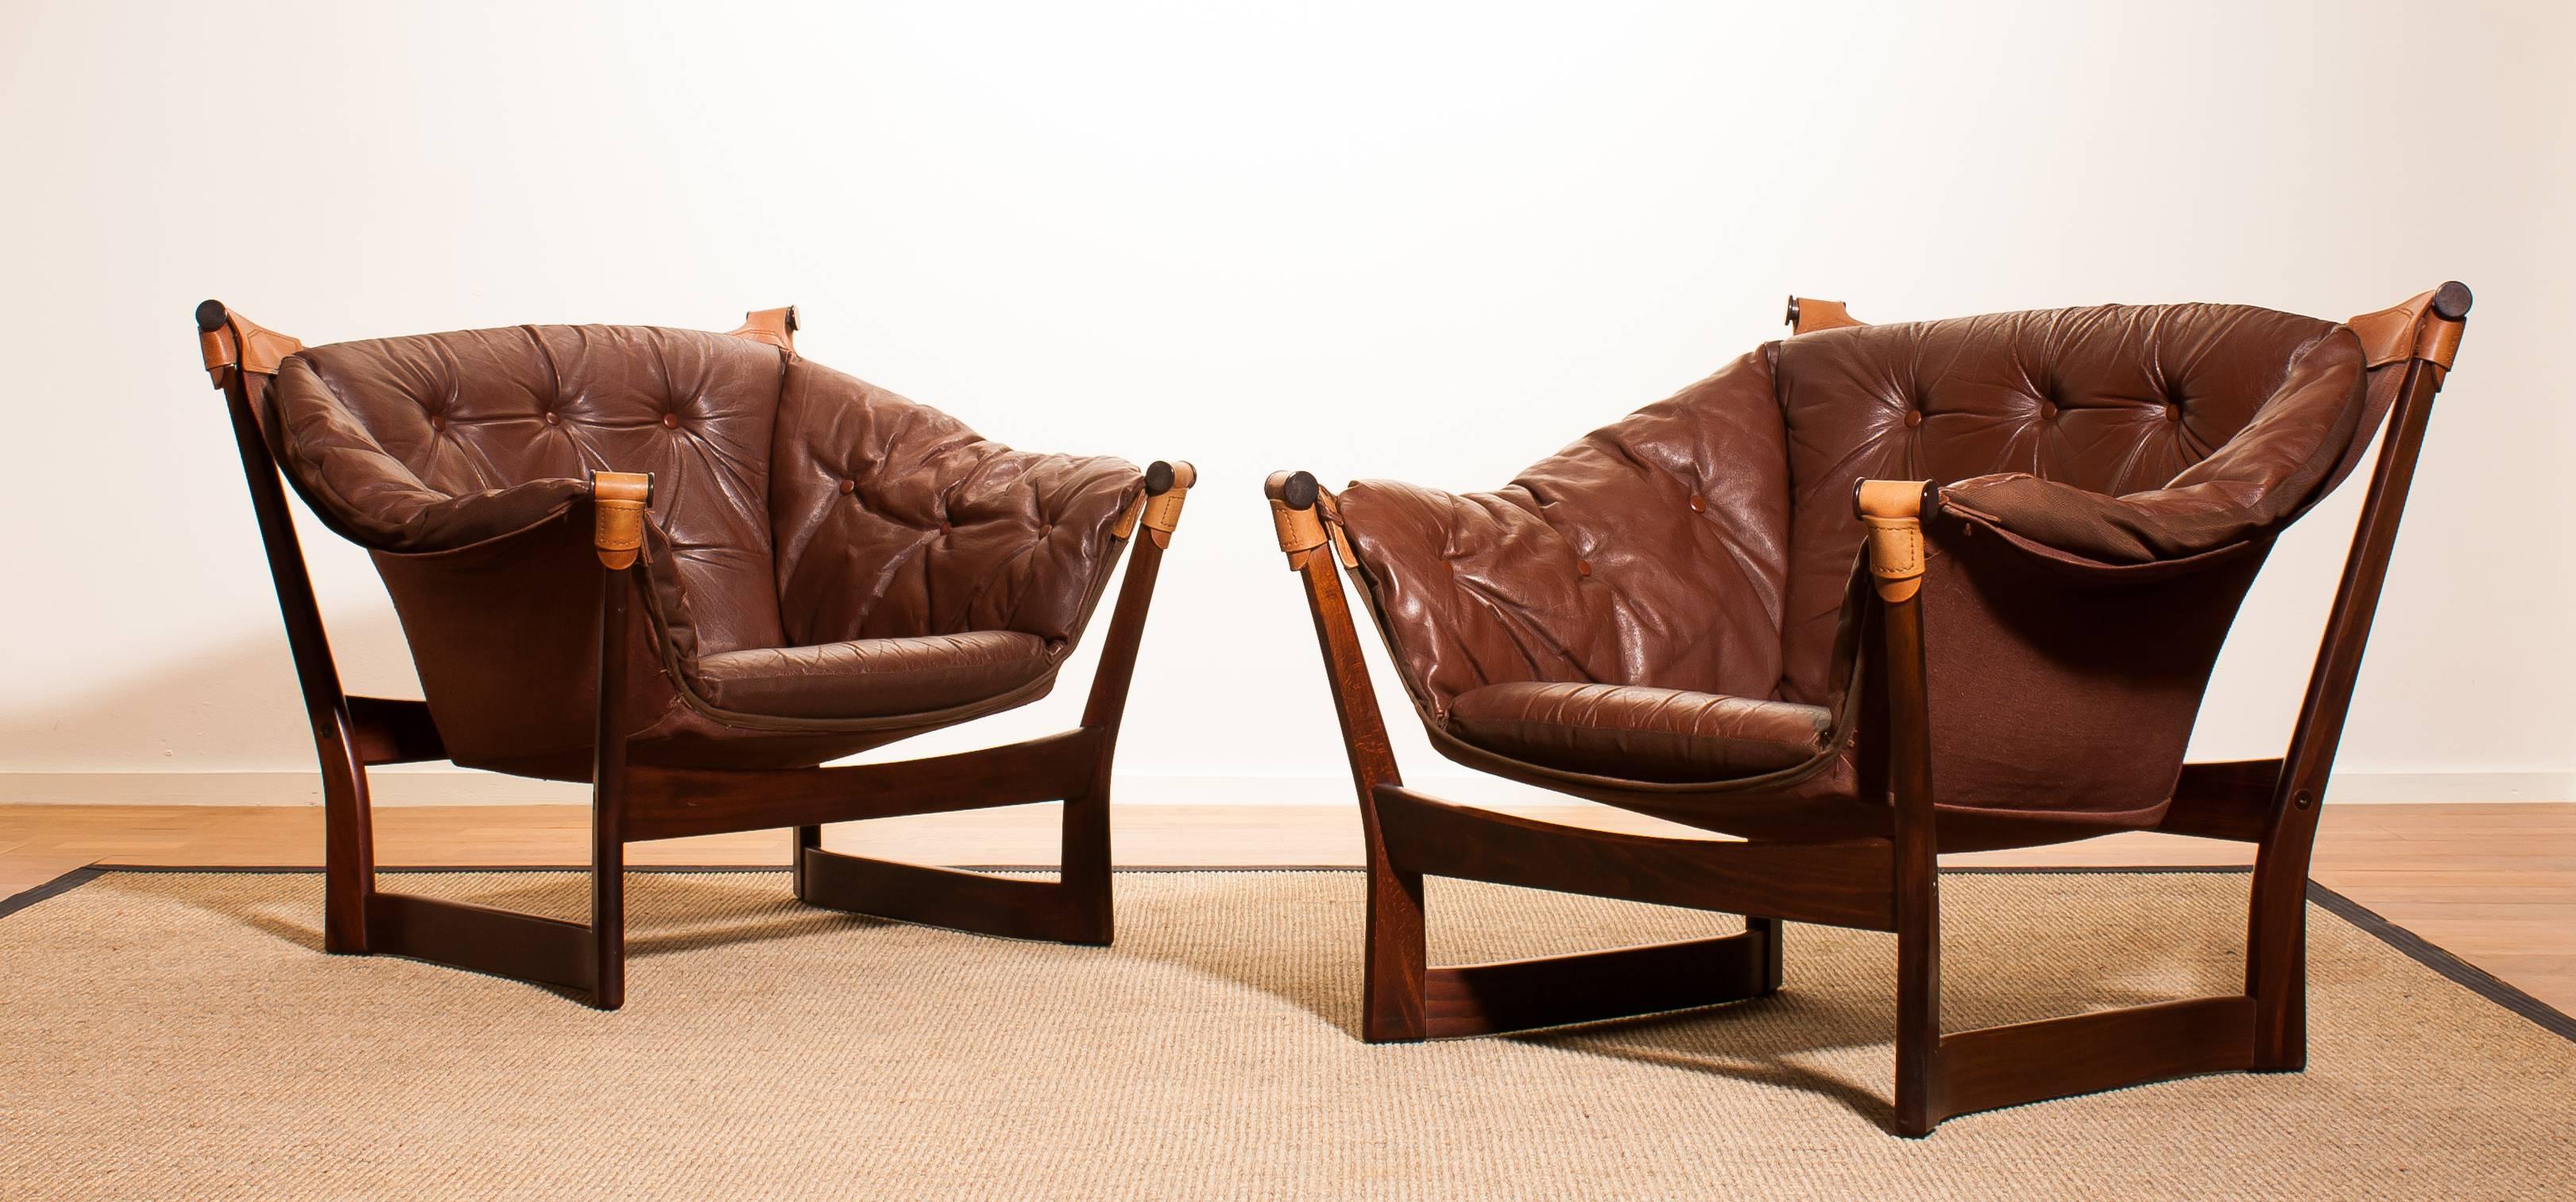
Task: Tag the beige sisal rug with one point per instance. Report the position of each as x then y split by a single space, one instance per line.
179 1035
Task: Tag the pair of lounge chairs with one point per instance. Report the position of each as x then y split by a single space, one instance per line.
1867 594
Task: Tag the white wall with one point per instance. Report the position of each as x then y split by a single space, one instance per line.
1434 242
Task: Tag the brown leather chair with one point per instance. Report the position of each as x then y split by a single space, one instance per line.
2061 512
823 567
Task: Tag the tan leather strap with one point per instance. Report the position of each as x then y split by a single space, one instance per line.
1808 315
1893 512
1127 521
618 500
1162 513
1300 526
1332 511
2414 329
777 327
236 341
1300 530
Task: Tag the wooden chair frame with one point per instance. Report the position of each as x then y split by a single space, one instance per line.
633 803
1880 884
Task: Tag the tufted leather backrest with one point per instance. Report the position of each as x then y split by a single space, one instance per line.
2114 400
895 519
374 429
1653 551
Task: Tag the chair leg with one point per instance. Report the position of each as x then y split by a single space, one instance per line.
2276 950
608 877
1891 512
348 847
1920 1081
608 799
1772 932
1083 873
1396 975
805 838
608 924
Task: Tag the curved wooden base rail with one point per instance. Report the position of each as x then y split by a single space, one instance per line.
634 803
1887 884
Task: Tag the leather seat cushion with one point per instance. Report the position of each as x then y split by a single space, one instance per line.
1633 732
873 678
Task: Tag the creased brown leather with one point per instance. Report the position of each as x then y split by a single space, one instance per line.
895 519
932 575
2135 456
1599 564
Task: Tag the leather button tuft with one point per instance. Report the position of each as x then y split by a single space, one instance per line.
848 487
552 420
1913 418
1583 567
2047 410
1699 504
437 423
2173 412
670 421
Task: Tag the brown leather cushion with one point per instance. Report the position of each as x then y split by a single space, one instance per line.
1637 733
872 678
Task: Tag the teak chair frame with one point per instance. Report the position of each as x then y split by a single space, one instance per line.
1868 883
634 803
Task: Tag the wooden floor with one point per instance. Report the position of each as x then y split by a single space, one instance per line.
2494 884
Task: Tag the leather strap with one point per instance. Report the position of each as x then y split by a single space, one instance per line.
1332 511
1808 315
1162 512
1893 512
1300 530
2409 330
237 341
1300 526
618 500
777 327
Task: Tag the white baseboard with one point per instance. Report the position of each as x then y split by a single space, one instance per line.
453 786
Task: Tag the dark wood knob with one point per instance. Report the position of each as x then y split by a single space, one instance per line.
1300 491
2451 300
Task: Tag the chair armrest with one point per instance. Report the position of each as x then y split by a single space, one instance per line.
505 631
2262 478
2051 685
